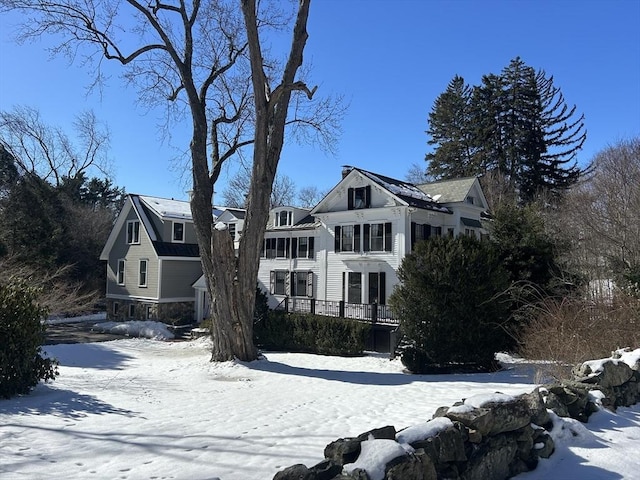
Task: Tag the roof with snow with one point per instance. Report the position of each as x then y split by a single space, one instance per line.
405 191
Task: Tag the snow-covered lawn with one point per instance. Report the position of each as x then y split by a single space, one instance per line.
138 408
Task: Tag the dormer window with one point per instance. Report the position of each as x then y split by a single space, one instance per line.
359 198
178 232
133 232
284 218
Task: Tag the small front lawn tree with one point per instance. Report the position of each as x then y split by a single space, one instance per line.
22 364
452 305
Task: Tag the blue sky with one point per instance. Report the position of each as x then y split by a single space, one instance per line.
390 60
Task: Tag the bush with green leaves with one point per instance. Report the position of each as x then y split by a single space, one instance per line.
302 332
453 305
22 364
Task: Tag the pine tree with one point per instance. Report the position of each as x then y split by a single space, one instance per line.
449 122
516 124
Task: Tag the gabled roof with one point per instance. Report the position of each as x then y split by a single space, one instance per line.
405 191
165 208
449 191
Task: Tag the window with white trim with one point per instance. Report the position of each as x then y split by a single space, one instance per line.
120 272
133 232
302 284
178 232
358 198
284 218
347 238
142 273
279 281
232 230
302 247
377 237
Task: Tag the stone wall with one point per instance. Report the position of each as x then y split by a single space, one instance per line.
176 313
492 436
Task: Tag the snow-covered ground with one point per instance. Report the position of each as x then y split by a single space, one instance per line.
139 408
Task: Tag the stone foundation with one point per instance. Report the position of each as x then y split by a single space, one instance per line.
179 313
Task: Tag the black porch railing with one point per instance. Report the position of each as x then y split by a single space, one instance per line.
372 313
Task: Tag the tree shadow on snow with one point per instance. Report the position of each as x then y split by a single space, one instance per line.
47 400
513 376
88 355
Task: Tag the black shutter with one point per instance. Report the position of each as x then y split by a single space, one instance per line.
367 196
350 199
367 237
337 239
382 288
356 238
294 248
388 239
311 252
426 231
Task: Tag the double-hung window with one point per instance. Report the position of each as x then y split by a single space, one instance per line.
178 232
279 281
358 198
347 238
302 247
142 273
377 237
302 285
120 273
133 232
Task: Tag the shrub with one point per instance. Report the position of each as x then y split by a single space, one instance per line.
300 332
567 331
22 332
451 304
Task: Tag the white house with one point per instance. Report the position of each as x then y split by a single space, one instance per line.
344 253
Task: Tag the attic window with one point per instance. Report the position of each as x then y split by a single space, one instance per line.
284 218
178 232
133 232
470 200
359 198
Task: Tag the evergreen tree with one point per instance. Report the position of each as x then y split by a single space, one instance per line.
450 305
516 124
448 127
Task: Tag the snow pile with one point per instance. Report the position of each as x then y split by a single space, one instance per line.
625 355
374 456
134 328
423 430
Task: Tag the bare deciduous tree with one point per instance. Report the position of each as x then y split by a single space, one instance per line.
208 60
47 151
599 217
237 189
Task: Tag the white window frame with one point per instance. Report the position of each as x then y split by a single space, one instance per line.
133 232
288 218
121 271
232 230
285 281
143 275
173 232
